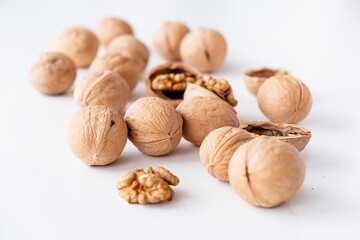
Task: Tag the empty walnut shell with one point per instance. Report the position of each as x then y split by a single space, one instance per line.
291 133
218 147
167 39
202 115
155 127
265 172
103 88
284 98
174 97
52 73
123 66
130 47
204 49
97 135
80 44
110 28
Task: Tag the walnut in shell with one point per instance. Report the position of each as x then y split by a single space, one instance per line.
52 73
130 47
97 135
284 98
80 44
202 115
265 172
204 49
167 39
103 88
123 66
110 28
218 147
291 133
155 127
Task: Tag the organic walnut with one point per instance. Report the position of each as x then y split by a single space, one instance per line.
167 39
110 28
123 66
80 44
204 49
294 134
202 115
155 127
103 88
265 172
52 73
130 47
218 147
146 187
284 98
97 135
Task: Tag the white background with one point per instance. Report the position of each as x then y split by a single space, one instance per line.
46 193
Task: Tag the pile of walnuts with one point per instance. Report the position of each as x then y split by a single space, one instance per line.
261 160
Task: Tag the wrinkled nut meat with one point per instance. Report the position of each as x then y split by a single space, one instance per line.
218 147
168 81
110 28
147 187
265 172
291 133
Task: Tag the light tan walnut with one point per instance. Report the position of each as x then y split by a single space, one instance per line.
164 174
110 28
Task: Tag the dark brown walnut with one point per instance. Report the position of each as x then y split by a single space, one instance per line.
291 133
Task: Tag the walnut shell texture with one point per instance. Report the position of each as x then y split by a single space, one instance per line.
254 78
97 135
103 88
204 49
167 39
218 147
123 66
265 172
202 115
194 90
110 28
52 73
80 44
155 127
284 98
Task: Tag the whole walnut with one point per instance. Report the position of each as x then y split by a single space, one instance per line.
265 172
103 88
155 127
110 28
129 46
167 39
218 147
80 44
52 73
97 135
123 66
204 49
285 99
202 115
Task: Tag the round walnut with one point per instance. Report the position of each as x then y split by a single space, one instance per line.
265 172
52 73
218 147
202 115
123 66
110 28
97 135
155 127
80 44
103 88
291 133
130 47
204 49
284 98
167 39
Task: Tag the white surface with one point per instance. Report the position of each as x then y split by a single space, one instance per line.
46 193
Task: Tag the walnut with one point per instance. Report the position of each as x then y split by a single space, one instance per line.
110 28
147 187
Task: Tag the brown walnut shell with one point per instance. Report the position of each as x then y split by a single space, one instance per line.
110 28
173 97
291 133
